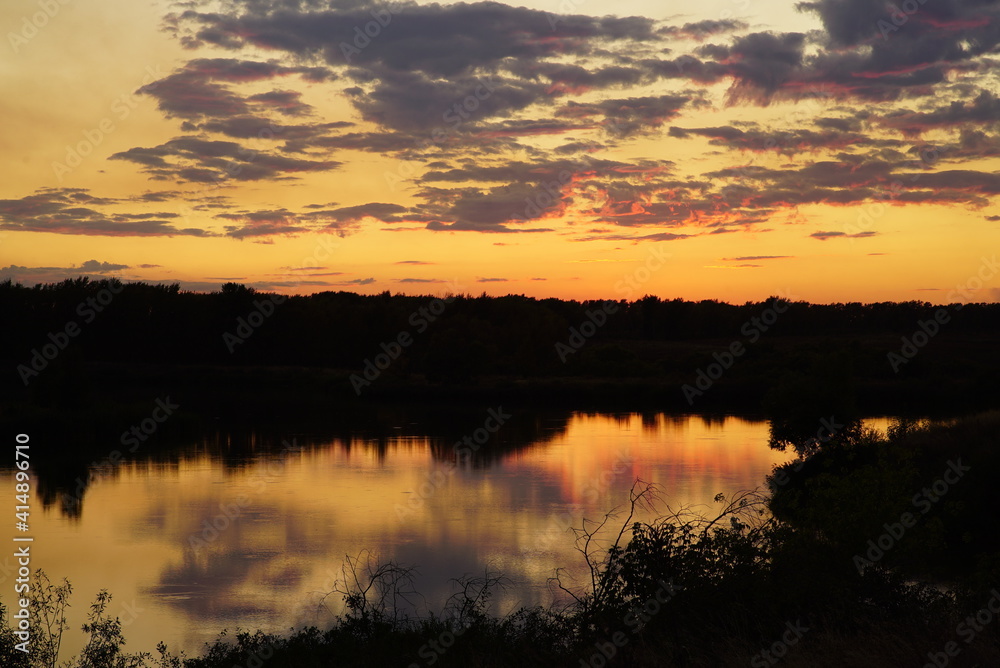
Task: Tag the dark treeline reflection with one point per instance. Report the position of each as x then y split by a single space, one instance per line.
73 463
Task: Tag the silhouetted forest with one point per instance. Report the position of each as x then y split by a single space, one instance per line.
105 334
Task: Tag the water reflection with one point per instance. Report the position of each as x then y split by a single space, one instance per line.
249 528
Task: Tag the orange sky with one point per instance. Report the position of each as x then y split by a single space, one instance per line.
735 150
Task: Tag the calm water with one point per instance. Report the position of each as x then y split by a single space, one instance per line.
285 518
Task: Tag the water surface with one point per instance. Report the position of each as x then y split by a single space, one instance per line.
229 533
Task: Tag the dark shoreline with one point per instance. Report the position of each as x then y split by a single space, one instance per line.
279 391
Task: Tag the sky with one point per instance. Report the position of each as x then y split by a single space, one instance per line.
831 151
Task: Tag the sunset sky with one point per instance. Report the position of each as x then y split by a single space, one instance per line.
834 150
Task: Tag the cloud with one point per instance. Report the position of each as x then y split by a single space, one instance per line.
199 160
867 55
75 211
203 88
754 258
984 109
761 63
527 192
823 236
656 236
342 220
34 275
790 142
101 267
503 119
626 116
701 30
427 61
287 102
278 222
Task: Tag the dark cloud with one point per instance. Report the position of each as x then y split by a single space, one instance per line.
210 161
287 102
259 127
566 78
526 191
93 266
431 66
823 236
262 223
841 124
754 258
657 236
627 116
701 30
458 92
282 222
984 109
202 88
761 63
88 267
444 41
63 211
785 141
873 51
